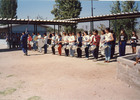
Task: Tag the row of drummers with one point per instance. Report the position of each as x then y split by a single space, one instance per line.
83 42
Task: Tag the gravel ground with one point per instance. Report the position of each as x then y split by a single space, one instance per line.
53 77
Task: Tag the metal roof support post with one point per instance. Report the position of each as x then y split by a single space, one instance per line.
58 29
11 29
54 28
75 29
115 25
109 24
36 28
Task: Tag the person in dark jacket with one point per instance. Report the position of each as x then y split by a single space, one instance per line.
24 38
79 44
122 43
113 43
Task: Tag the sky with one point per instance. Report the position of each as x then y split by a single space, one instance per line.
43 8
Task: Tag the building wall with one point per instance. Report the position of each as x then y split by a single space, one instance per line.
22 28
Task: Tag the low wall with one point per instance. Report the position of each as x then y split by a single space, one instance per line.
127 72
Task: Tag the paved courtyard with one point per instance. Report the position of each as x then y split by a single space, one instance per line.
51 77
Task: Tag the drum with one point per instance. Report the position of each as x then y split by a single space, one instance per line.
74 47
103 47
56 46
31 43
92 47
40 43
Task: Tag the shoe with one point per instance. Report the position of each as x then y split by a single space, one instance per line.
105 61
95 60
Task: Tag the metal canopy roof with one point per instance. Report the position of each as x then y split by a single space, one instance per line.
125 15
34 21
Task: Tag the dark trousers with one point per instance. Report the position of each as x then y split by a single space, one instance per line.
95 52
25 50
112 50
79 52
122 48
45 48
87 52
53 49
66 52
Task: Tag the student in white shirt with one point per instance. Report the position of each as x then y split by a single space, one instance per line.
45 43
86 42
66 43
38 39
108 39
71 43
53 43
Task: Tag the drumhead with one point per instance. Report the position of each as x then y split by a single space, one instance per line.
40 43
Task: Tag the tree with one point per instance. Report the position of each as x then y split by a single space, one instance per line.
66 9
127 24
116 8
8 8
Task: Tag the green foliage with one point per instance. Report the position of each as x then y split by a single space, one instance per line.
66 9
127 24
35 98
8 8
8 91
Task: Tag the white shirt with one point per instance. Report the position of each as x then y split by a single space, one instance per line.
71 39
39 37
53 40
85 39
91 37
66 38
45 39
108 36
56 37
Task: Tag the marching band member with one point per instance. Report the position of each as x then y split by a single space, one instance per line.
66 43
108 39
34 41
60 44
38 38
53 43
79 44
86 43
102 39
24 43
122 42
95 42
45 43
133 41
29 41
71 44
113 43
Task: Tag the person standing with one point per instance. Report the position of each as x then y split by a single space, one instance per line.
79 44
108 39
29 40
45 43
34 42
53 40
71 43
102 39
24 38
59 44
95 42
66 43
86 41
133 41
113 43
122 43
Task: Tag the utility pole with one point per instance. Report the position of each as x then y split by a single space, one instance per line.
91 23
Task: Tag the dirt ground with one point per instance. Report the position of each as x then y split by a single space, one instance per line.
53 77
